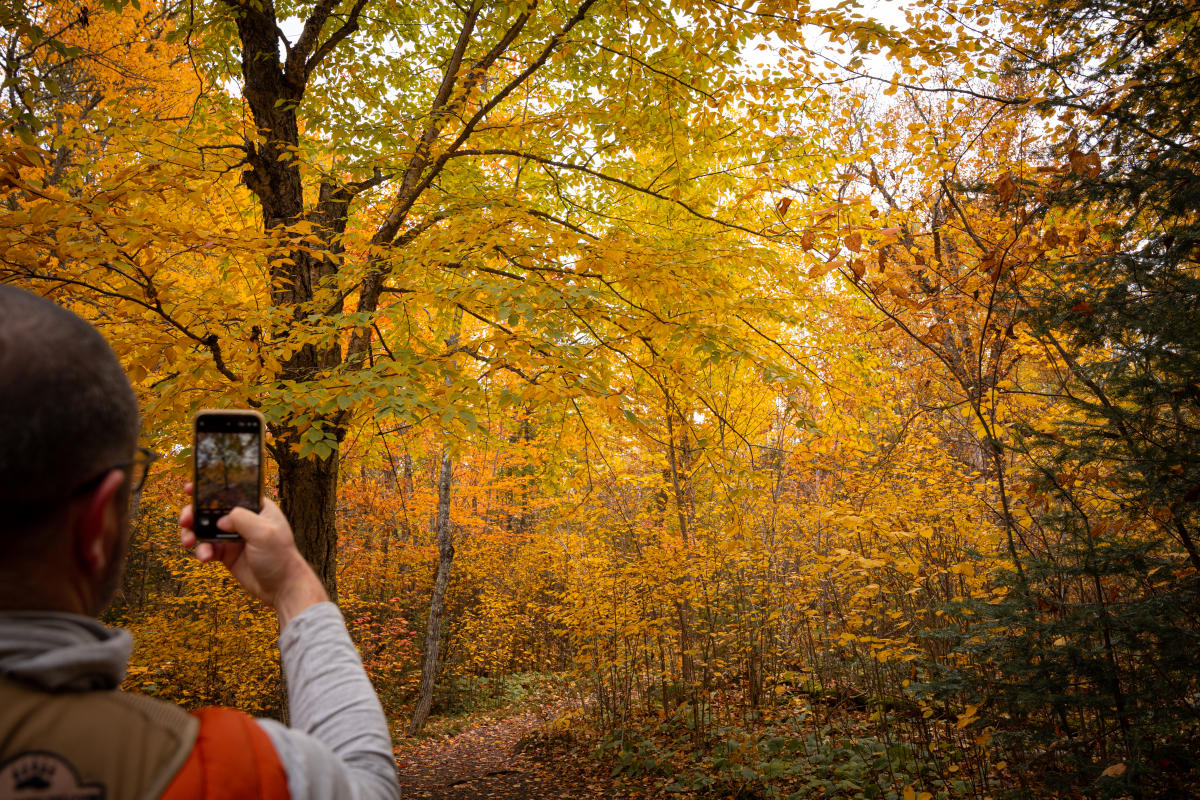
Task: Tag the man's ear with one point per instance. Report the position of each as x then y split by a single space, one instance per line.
98 524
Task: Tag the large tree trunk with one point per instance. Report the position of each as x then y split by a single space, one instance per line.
308 498
433 631
274 89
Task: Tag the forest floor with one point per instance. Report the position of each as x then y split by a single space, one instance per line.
491 757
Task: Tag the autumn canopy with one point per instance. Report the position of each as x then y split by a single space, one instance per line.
800 400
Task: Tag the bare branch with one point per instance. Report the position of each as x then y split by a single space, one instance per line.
209 341
557 221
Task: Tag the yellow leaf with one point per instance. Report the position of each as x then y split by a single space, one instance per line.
967 717
819 270
1114 771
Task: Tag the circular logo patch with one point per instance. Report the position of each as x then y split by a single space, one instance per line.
41 775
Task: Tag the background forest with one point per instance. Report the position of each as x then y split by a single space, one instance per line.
802 397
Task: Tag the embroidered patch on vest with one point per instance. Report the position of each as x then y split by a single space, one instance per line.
39 775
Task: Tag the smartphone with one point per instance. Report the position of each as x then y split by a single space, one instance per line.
227 453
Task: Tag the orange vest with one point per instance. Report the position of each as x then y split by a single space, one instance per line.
110 745
232 758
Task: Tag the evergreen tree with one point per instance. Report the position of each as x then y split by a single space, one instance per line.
1091 664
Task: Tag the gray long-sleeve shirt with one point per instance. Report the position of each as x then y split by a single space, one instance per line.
338 745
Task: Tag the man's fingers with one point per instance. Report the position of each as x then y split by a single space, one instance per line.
225 552
228 552
187 519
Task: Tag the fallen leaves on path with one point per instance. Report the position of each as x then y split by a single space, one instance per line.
484 760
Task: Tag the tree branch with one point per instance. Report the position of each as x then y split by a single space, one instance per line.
408 198
296 66
610 179
335 38
646 66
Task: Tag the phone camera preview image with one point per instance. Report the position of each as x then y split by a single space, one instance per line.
228 455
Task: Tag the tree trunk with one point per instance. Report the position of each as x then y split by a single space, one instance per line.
274 89
683 607
308 498
433 632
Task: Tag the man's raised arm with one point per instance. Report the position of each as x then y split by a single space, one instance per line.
338 744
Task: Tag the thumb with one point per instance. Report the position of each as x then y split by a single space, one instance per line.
244 522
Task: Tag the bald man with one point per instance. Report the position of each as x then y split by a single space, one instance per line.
69 463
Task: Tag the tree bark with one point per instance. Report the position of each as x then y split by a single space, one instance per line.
433 631
308 498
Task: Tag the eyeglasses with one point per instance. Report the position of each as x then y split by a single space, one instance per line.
22 513
140 468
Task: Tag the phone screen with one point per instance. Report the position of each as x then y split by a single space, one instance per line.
228 460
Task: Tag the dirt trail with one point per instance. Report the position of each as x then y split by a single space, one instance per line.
482 761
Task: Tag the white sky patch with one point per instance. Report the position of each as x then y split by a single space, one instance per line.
890 13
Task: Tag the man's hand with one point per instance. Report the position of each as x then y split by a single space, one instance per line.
266 561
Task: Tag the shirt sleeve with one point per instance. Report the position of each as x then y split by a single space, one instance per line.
338 745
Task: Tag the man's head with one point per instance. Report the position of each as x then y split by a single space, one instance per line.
68 429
